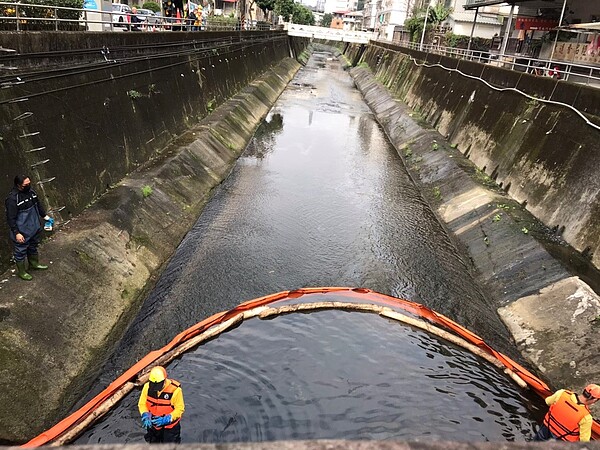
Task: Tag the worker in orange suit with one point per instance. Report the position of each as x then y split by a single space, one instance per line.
161 406
569 417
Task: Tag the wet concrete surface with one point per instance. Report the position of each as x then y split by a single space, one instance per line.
551 312
348 445
319 198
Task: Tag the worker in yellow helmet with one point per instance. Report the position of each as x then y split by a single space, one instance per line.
161 406
569 417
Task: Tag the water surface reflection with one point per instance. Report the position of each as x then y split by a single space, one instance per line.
334 375
320 198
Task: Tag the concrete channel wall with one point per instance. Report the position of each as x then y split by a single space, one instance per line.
544 155
552 315
56 330
85 109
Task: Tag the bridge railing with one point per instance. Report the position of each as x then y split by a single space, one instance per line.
16 16
331 34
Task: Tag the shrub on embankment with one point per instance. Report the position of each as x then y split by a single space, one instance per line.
544 155
114 103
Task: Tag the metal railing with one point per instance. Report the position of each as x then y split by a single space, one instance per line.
578 73
16 16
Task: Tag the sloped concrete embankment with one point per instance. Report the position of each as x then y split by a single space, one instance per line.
550 313
544 155
56 329
88 108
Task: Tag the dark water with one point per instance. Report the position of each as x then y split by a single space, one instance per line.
334 375
319 198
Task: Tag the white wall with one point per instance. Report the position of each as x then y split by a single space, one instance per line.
482 31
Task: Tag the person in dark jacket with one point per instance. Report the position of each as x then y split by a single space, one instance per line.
23 212
135 20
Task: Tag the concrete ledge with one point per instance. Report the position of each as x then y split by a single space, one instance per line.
55 330
555 327
347 445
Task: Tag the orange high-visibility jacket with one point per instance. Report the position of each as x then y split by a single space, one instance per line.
564 416
161 405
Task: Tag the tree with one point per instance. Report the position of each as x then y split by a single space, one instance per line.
152 6
302 15
414 24
284 8
326 20
266 5
437 14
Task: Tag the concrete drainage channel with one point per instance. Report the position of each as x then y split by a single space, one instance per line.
108 257
549 312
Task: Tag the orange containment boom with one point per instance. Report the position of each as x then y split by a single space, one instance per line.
68 427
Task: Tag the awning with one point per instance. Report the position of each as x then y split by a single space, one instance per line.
472 4
533 23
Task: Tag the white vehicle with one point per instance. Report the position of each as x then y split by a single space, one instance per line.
120 13
148 16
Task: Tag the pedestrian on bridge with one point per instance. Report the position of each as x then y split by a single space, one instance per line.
569 417
23 212
161 406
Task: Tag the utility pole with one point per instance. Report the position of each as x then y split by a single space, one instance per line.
424 26
242 5
507 32
472 30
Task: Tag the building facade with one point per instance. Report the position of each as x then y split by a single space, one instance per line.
332 6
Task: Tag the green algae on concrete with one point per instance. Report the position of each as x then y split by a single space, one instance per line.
516 269
545 154
60 326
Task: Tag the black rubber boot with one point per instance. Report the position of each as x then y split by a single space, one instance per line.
22 271
34 263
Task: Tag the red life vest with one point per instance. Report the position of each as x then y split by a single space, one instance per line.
161 404
564 416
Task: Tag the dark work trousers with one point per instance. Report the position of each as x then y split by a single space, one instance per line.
543 434
27 248
164 435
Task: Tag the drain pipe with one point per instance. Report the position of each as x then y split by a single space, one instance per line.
507 31
472 30
562 16
424 26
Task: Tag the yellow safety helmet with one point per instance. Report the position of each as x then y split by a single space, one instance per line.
157 374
